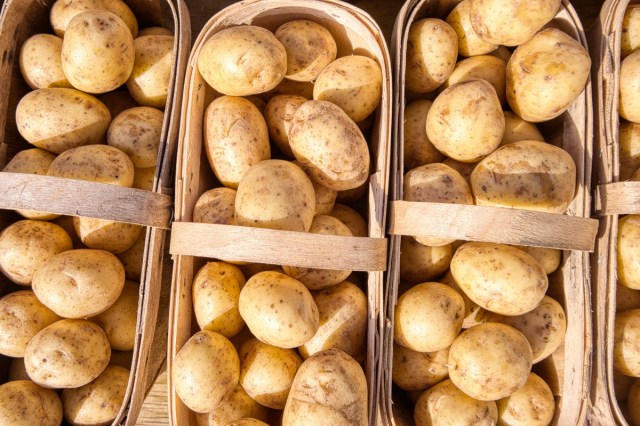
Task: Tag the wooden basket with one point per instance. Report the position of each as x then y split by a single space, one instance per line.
567 371
19 20
192 243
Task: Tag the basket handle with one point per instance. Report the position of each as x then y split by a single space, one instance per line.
617 198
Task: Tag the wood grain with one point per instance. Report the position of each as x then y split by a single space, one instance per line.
617 198
154 411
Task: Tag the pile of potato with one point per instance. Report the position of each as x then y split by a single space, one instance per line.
473 318
72 328
284 138
626 350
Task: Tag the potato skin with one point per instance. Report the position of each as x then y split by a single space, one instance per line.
626 344
629 84
416 371
629 140
97 163
40 62
149 80
137 132
421 263
516 129
237 406
132 259
628 247
62 12
630 35
486 67
354 220
469 43
418 149
103 234
120 320
24 403
278 114
216 206
547 257
533 404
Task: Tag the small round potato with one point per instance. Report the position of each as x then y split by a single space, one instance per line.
533 175
67 354
237 406
63 11
137 133
97 163
267 372
531 405
217 205
428 317
629 85
207 358
546 74
275 194
416 371
59 119
628 248
132 259
466 121
432 50
354 83
279 310
354 220
22 316
469 43
102 234
27 244
41 63
149 80
97 52
630 34
486 67
236 137
633 402
516 129
629 139
420 263
418 149
98 402
446 404
626 298
510 22
499 278
79 283
278 114
318 279
216 293
490 361
626 344
24 403
120 320
243 60
310 48
547 257
329 145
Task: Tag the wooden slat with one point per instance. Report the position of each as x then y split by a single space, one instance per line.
493 224
155 408
617 198
301 249
73 197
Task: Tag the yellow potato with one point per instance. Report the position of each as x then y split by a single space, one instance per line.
137 133
119 322
626 344
24 403
416 371
629 140
59 119
67 354
325 198
216 206
63 11
420 263
79 283
546 74
155 31
516 129
34 161
547 257
248 422
486 67
310 48
531 405
243 60
149 80
236 138
66 223
290 87
354 220
117 101
97 51
629 84
278 114
132 259
466 121
97 163
630 34
473 314
144 178
102 234
469 43
40 62
432 50
465 169
237 406
418 149
634 402
503 53
533 175
628 246
626 298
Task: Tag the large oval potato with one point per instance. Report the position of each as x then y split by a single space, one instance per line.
626 344
530 175
63 11
97 163
486 67
24 403
103 234
469 43
420 263
41 63
629 143
149 80
278 114
628 248
137 132
119 322
630 34
418 149
59 119
531 405
628 106
416 371
218 205
546 74
473 314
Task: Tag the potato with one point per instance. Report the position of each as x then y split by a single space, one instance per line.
503 53
59 119
97 52
310 48
237 406
329 389
329 145
626 345
247 422
420 263
243 60
622 385
27 244
628 247
66 223
547 257
466 121
432 50
67 354
473 314
493 374
79 283
629 139
118 101
354 83
290 87
634 403
465 169
629 84
154 31
446 404
17 370
24 403
149 80
529 175
314 278
546 74
343 321
626 298
143 178
418 149
62 12
216 206
630 34
216 292
354 221
132 259
279 310
531 405
236 138
97 163
278 114
499 278
516 129
22 316
137 133
469 43
98 402
120 320
207 358
40 62
428 317
325 198
34 161
486 67
510 22
416 371
102 234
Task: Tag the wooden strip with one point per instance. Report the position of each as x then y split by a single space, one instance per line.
617 198
493 224
83 198
301 249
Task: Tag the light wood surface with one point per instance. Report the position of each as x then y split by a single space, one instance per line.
155 408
